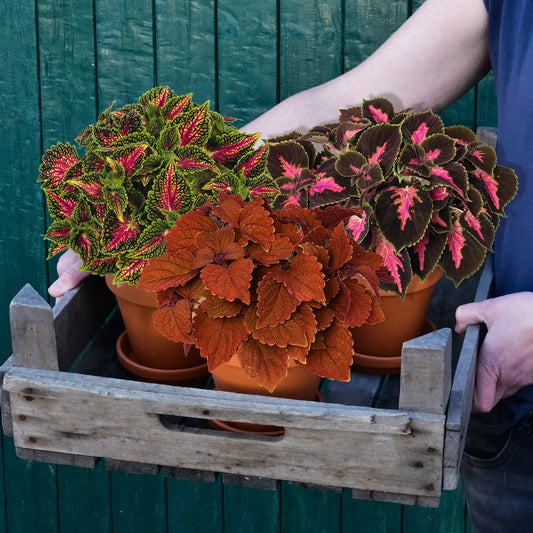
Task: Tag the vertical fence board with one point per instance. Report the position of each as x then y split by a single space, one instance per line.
194 507
309 510
247 510
311 47
185 47
247 64
124 49
369 516
487 110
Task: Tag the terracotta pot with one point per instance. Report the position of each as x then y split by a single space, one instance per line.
299 384
378 347
144 350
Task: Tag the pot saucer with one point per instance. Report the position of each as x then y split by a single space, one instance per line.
195 375
375 364
253 429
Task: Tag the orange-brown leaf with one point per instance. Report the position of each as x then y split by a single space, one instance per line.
340 249
376 314
367 264
229 210
304 278
217 307
331 289
331 354
353 303
324 317
183 234
193 290
171 269
266 365
229 282
256 225
281 248
317 251
298 353
218 338
174 321
275 303
292 331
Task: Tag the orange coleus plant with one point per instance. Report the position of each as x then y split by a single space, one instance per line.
267 286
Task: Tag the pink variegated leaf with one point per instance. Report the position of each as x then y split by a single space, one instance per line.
61 207
440 197
157 96
170 193
378 110
359 223
131 158
59 163
419 126
129 270
192 158
347 133
169 140
396 264
90 185
480 227
175 106
439 149
231 146
462 134
119 235
441 220
84 241
151 242
380 144
475 201
287 160
195 127
481 156
354 165
102 266
55 249
351 114
498 188
329 187
59 232
262 187
425 254
403 214
253 163
451 175
462 255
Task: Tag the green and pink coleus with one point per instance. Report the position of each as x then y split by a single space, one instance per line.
427 195
142 167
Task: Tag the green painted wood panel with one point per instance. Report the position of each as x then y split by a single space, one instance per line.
124 49
247 58
311 43
186 47
195 506
361 516
487 110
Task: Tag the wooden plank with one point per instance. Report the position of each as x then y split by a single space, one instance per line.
131 467
460 404
56 458
251 482
426 372
189 474
247 65
185 47
5 404
310 44
488 135
65 415
32 331
125 52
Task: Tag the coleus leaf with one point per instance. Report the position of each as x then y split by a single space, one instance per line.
229 147
57 164
174 320
343 307
182 236
426 253
171 269
217 246
403 214
266 365
157 96
380 144
499 188
218 338
175 106
303 278
329 186
195 126
281 248
377 110
275 304
480 227
354 165
59 233
359 223
84 242
256 225
61 207
262 186
287 160
119 234
419 126
151 242
231 282
340 249
170 193
129 270
331 355
217 307
452 175
193 158
347 132
253 163
90 185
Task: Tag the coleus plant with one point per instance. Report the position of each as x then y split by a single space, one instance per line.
266 286
427 195
143 166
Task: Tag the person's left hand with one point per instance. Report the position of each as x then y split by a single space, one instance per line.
69 274
505 359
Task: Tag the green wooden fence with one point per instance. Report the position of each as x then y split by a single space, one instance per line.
62 62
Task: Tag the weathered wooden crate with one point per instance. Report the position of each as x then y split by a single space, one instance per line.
66 400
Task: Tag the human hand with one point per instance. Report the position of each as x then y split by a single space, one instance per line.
505 359
69 274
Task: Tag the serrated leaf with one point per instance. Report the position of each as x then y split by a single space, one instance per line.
256 225
194 127
304 278
380 144
377 110
174 321
231 146
151 242
129 270
229 282
274 302
170 193
184 233
352 304
168 270
217 307
193 158
419 126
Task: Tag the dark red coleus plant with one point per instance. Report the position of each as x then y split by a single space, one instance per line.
143 166
426 195
267 286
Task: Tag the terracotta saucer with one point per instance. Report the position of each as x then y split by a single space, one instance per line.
178 376
253 429
374 364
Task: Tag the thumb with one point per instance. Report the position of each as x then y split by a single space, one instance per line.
472 313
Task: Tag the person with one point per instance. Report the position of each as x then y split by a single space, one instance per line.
435 57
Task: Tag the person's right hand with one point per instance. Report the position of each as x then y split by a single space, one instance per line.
69 274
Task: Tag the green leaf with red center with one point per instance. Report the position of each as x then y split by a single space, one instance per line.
174 320
175 106
193 158
102 266
419 126
218 338
380 144
426 253
229 147
262 186
151 242
57 165
129 270
90 185
119 234
396 264
280 249
377 110
59 234
303 278
195 126
171 269
170 193
131 157
254 163
331 355
275 304
157 96
231 282
463 254
403 214
183 235
84 242
354 165
61 207
266 365
498 188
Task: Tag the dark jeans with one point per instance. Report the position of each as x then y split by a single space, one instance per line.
497 476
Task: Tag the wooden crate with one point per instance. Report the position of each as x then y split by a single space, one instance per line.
66 400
